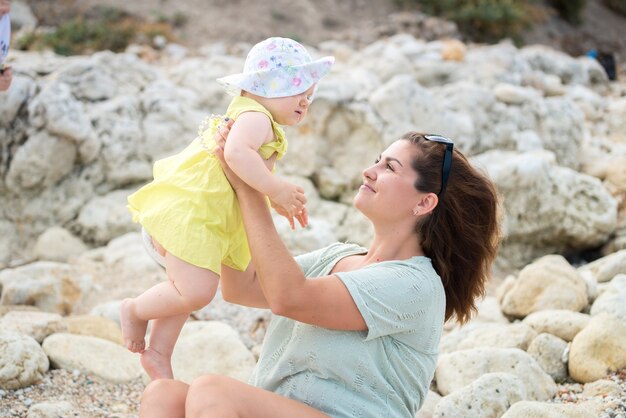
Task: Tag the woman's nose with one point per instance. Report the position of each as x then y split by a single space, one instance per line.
370 172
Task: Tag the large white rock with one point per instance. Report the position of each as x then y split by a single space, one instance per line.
561 323
516 335
41 162
605 268
37 325
547 208
50 286
58 244
530 409
548 283
460 368
599 348
92 356
612 300
22 361
57 110
105 217
427 409
489 396
548 350
211 347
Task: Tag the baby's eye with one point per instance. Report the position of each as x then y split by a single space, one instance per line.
389 167
309 98
377 160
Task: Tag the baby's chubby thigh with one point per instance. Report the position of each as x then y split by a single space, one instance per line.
195 284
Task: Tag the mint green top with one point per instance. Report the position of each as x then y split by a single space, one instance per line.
382 372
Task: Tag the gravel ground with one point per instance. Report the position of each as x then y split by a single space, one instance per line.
92 399
615 405
89 398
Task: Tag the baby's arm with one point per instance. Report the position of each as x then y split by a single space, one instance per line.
250 131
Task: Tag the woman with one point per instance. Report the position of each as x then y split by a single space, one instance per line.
356 331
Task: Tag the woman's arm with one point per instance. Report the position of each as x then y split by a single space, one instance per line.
242 287
323 301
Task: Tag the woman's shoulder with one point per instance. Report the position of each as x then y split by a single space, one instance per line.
342 248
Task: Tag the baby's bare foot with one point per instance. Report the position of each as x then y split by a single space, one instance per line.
157 365
133 328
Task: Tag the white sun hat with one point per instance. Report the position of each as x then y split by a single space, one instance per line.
277 67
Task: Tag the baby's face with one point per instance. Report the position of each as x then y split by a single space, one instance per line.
289 110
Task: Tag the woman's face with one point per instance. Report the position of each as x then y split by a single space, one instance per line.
388 190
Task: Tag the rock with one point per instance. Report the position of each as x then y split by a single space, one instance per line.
356 228
34 324
41 162
22 361
488 335
250 323
127 253
599 348
427 409
51 410
548 283
118 126
529 409
460 368
105 217
548 351
605 268
22 90
50 286
489 311
489 396
58 244
613 299
570 70
603 388
389 61
92 356
511 94
57 111
94 326
549 209
616 116
210 347
561 323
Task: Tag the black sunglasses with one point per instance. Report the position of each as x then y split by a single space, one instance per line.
447 159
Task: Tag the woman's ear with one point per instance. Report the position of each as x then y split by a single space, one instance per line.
426 204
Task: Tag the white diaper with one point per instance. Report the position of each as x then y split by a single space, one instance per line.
147 243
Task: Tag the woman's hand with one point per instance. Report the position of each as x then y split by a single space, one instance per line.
220 139
5 78
5 7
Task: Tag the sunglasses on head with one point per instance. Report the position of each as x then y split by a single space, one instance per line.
447 159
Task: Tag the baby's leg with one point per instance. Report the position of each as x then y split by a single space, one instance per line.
189 288
156 359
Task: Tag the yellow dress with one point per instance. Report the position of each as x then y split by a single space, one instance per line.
190 208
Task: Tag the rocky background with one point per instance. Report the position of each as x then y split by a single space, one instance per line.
78 134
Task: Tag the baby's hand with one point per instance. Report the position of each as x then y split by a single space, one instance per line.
289 200
302 217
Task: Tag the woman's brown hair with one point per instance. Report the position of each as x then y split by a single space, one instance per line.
461 235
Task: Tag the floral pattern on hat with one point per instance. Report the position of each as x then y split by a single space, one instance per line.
277 67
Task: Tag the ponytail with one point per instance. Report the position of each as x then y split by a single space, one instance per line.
461 235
